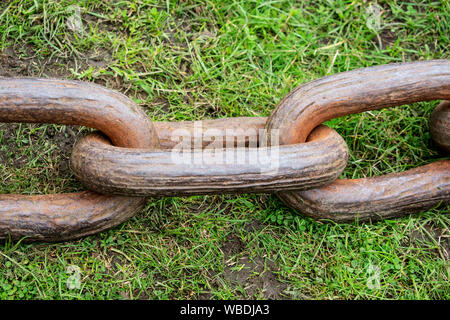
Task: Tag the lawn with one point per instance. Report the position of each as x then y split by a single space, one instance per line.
193 60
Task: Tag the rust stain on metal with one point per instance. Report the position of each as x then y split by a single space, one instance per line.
361 90
68 216
139 163
376 198
111 170
71 102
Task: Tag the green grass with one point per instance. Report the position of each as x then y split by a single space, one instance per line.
192 60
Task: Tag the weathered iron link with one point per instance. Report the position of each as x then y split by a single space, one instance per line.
112 170
240 128
69 102
69 216
356 91
139 162
389 196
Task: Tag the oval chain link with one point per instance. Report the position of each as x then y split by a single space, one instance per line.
136 159
392 195
69 216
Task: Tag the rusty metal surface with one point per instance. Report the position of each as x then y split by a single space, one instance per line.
315 102
111 170
69 216
140 162
35 100
233 127
440 125
356 91
376 198
60 217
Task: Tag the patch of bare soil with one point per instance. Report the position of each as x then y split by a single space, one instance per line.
387 38
232 246
59 140
424 239
254 226
254 275
22 62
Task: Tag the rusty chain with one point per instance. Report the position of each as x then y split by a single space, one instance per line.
67 216
131 158
356 91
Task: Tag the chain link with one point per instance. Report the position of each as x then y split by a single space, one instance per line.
356 91
69 216
125 171
290 153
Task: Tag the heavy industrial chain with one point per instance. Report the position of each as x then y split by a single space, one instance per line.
132 158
